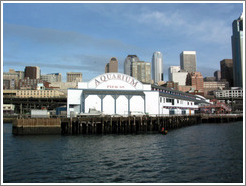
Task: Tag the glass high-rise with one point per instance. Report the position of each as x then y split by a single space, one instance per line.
157 67
128 64
237 51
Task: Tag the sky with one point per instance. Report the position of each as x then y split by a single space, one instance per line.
82 37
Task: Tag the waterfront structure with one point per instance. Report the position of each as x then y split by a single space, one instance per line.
226 67
188 61
217 75
112 66
234 92
157 67
54 77
172 69
74 77
128 64
33 93
179 77
8 108
32 72
141 71
120 94
237 51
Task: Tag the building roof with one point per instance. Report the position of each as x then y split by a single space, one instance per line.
167 92
113 92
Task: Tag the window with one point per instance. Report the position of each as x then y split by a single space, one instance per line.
169 100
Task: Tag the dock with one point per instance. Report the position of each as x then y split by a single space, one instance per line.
113 124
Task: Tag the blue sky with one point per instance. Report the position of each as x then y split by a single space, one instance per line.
82 37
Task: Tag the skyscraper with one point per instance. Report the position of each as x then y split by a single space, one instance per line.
157 67
127 64
188 61
237 51
112 66
141 71
226 68
217 75
33 72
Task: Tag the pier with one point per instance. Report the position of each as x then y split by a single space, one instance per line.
113 124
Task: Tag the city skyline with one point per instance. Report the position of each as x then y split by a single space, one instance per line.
43 35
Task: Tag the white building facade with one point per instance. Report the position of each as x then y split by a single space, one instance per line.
179 77
234 92
171 70
120 94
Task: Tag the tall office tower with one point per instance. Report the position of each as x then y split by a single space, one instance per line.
172 69
141 71
188 61
127 64
157 67
112 66
107 68
226 68
217 75
54 77
237 51
33 72
74 77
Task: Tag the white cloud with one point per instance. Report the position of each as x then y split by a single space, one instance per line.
206 30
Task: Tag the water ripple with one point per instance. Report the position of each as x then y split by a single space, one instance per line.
196 154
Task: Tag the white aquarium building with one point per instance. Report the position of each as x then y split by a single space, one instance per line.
121 94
